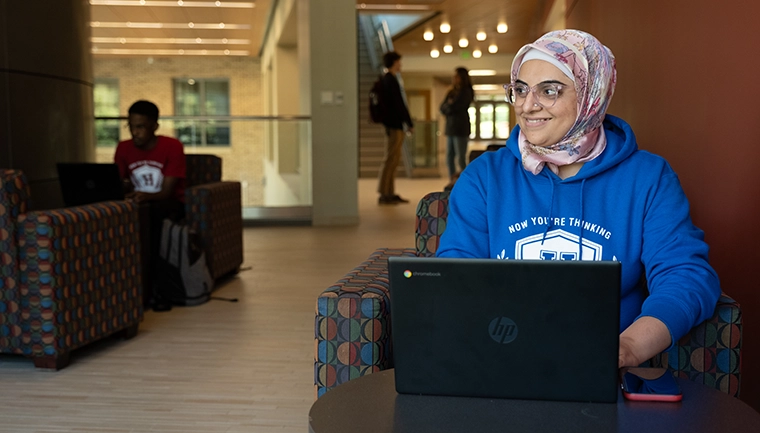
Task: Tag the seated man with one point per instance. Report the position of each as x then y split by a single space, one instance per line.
153 169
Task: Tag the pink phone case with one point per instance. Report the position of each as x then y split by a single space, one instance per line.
652 397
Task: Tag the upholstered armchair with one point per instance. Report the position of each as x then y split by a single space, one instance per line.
213 210
352 324
68 276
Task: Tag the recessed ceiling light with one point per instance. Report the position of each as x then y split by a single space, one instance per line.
493 49
164 52
481 36
448 48
477 53
445 27
486 87
131 25
428 35
394 7
175 3
435 54
482 72
502 28
463 43
205 41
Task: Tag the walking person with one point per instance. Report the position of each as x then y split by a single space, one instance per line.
454 107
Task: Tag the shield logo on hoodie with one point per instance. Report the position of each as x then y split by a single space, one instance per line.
557 245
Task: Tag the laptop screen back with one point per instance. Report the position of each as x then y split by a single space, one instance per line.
86 183
527 329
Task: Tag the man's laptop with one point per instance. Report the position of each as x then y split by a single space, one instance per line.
85 183
524 329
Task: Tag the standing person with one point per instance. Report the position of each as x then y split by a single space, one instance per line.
573 180
396 119
454 107
153 169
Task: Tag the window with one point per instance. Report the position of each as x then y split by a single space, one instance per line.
106 101
202 97
489 118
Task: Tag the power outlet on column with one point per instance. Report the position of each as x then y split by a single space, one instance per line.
327 97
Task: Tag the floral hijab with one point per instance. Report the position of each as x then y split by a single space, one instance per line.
593 66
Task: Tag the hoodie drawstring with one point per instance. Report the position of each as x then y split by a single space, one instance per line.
551 209
580 241
551 219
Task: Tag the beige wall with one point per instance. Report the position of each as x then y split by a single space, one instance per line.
152 79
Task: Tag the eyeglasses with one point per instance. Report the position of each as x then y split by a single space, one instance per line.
546 94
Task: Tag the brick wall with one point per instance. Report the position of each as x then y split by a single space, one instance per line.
152 79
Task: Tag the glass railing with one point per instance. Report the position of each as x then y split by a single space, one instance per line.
422 148
269 155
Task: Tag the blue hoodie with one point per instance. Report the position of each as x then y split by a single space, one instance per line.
626 205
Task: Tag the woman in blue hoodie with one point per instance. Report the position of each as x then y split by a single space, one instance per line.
573 185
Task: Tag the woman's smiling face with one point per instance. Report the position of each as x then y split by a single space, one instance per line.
544 126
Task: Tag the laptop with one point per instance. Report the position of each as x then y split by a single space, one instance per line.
86 183
522 329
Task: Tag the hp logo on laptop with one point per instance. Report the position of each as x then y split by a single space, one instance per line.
503 330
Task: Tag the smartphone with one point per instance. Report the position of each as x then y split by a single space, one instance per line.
649 384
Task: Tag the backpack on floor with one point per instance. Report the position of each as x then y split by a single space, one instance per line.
376 103
183 276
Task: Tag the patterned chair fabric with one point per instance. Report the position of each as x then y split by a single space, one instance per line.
213 209
14 195
214 212
201 169
432 212
709 354
77 277
352 325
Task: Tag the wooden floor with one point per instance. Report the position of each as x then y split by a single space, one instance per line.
218 367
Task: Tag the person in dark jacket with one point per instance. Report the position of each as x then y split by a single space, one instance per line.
454 107
396 119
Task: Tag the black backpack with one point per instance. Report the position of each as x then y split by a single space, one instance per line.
376 103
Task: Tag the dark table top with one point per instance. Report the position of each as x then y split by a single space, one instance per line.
370 404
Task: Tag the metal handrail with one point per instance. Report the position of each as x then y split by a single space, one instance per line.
376 31
384 34
365 22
